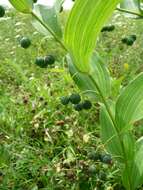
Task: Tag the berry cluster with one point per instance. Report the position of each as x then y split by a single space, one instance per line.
104 158
75 99
108 28
129 40
42 62
46 61
96 169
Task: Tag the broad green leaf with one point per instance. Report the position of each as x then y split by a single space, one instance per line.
49 16
126 178
24 6
83 27
129 103
109 135
137 166
99 74
40 28
129 145
58 4
132 5
129 153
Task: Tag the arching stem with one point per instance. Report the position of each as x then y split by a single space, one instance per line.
49 30
115 127
129 12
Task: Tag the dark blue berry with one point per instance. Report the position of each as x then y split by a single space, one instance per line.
40 62
87 105
25 42
75 98
129 40
106 158
49 60
78 107
93 155
65 100
2 11
108 28
133 36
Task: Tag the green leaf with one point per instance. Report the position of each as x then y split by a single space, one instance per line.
83 27
129 153
113 143
131 5
129 104
49 16
137 166
24 6
129 145
58 4
109 135
99 74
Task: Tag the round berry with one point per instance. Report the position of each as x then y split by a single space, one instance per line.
75 98
106 158
25 42
35 1
130 41
61 9
93 155
78 107
87 105
133 36
124 40
104 29
49 60
65 100
2 11
102 175
111 28
40 62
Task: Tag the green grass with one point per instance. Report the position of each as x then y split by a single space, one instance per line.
44 145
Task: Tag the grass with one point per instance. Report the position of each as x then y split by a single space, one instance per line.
44 145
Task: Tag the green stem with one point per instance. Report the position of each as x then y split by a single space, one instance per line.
129 12
49 30
115 127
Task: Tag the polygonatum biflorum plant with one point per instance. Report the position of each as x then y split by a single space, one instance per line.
89 72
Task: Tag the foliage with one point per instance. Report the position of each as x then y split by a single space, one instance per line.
91 75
